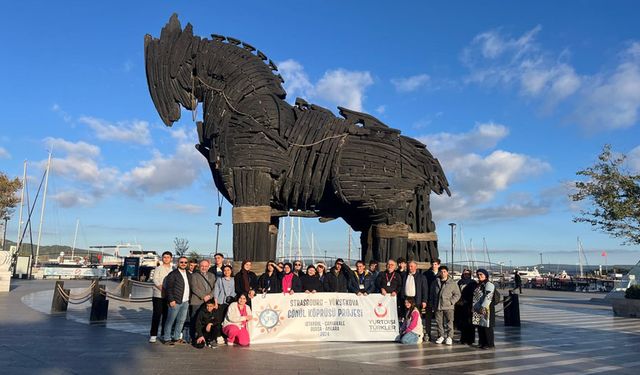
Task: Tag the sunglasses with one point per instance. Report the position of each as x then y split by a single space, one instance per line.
183 262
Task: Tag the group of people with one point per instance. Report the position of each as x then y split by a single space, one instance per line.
218 303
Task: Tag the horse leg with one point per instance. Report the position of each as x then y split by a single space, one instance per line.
251 215
389 241
273 237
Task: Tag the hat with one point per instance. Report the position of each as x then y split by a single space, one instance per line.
485 272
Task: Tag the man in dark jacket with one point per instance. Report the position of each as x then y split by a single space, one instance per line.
431 276
389 281
415 285
338 279
207 326
201 283
176 286
366 283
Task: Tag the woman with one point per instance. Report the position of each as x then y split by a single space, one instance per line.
235 323
246 280
322 271
290 282
411 329
270 281
463 309
484 314
311 281
224 293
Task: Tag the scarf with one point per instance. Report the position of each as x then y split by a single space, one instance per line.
287 282
245 281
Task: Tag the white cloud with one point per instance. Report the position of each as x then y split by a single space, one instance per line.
71 198
184 208
296 81
633 159
81 149
166 173
381 109
479 174
410 83
496 59
612 100
339 87
343 87
125 131
65 116
4 154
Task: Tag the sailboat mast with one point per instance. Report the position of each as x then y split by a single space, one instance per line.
290 238
299 238
44 202
24 179
313 249
579 257
349 252
75 237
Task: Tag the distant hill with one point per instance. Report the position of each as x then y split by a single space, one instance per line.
50 252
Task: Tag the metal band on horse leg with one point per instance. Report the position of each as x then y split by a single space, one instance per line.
252 214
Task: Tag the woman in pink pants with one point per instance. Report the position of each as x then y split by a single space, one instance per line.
235 323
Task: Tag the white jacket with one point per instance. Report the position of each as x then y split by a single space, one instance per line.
234 317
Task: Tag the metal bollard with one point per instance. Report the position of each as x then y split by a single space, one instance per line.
99 305
59 304
512 310
127 287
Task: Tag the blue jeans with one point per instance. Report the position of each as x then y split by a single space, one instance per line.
177 315
408 338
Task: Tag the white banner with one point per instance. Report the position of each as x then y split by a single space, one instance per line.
323 317
74 271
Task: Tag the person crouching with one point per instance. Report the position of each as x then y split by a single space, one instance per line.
207 327
235 323
411 329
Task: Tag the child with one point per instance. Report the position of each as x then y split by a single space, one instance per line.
207 326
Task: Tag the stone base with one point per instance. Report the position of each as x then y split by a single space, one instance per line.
5 281
625 307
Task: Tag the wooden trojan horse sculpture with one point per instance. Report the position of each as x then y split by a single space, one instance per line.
268 157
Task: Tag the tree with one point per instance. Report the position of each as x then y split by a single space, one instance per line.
8 197
193 255
181 246
615 194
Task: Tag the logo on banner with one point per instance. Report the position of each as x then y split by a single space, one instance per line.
269 318
380 310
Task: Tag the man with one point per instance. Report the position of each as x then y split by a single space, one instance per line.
338 279
518 279
176 285
218 264
444 295
207 325
373 269
431 276
193 264
201 283
415 285
158 300
389 281
366 284
402 267
297 268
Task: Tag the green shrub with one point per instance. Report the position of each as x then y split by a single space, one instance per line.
633 292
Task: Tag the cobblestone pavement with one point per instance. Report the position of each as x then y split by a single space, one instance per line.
561 333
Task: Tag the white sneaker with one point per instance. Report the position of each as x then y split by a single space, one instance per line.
220 340
230 343
439 340
153 339
448 341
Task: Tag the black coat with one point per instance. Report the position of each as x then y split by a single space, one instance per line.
367 280
395 281
174 286
312 283
239 283
421 285
341 283
203 318
270 284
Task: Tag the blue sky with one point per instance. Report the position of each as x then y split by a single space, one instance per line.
512 97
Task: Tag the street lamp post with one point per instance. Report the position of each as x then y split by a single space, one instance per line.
453 226
4 234
218 224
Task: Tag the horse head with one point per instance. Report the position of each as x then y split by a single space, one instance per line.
169 63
